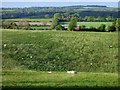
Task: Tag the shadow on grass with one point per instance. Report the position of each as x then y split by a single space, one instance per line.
60 88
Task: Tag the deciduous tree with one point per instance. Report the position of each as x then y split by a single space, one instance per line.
55 21
72 24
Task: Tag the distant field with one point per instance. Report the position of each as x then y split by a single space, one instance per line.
40 27
26 78
89 24
6 10
31 20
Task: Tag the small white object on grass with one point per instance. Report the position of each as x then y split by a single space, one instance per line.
5 45
110 46
91 64
49 72
72 72
30 56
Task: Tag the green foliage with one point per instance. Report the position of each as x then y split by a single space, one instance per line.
89 24
90 18
83 27
101 19
111 28
117 25
102 28
41 12
72 24
113 23
55 21
58 27
47 16
12 25
92 28
110 18
76 15
61 51
57 16
9 25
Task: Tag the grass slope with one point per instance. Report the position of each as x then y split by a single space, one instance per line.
26 52
61 50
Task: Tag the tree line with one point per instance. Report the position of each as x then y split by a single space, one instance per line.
48 12
66 17
73 24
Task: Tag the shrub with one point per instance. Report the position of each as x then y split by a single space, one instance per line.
58 27
117 25
92 28
102 28
110 28
83 27
9 25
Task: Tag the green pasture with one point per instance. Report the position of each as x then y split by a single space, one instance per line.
1 11
30 20
28 55
40 27
90 24
61 50
26 78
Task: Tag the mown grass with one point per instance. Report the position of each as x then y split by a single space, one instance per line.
58 79
89 24
61 50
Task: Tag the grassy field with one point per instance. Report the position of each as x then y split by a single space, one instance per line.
30 20
89 24
26 78
62 50
28 55
1 11
40 27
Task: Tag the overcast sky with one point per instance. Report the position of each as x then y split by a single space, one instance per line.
56 3
60 0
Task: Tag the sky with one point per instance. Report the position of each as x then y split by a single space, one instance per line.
56 3
60 0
